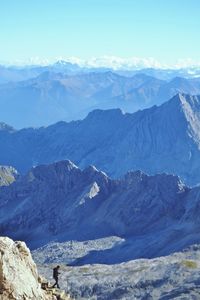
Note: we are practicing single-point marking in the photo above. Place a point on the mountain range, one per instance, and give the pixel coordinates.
(61, 202)
(52, 96)
(160, 139)
(11, 72)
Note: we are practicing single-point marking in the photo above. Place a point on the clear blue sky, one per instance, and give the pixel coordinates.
(164, 29)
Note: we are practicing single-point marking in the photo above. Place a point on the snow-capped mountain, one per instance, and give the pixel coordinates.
(61, 202)
(54, 96)
(73, 65)
(155, 140)
(12, 73)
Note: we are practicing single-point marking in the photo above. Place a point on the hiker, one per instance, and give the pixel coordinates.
(55, 276)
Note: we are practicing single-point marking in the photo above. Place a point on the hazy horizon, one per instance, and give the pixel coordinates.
(149, 34)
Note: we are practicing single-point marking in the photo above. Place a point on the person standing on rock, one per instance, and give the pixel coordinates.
(55, 276)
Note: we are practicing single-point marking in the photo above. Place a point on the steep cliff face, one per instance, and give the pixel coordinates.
(18, 273)
(155, 140)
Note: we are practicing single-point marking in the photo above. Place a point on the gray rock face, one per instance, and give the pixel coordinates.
(7, 175)
(18, 273)
(155, 140)
(59, 202)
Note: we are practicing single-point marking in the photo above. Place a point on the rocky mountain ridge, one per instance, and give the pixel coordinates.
(159, 139)
(12, 73)
(61, 202)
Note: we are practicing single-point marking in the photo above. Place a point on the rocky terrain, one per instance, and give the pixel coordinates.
(18, 273)
(60, 202)
(109, 235)
(71, 251)
(7, 175)
(19, 279)
(163, 278)
(116, 142)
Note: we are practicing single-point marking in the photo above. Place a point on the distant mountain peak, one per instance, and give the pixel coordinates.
(6, 127)
(93, 171)
(168, 184)
(63, 63)
(59, 167)
(67, 163)
(66, 65)
(110, 113)
(133, 176)
(170, 180)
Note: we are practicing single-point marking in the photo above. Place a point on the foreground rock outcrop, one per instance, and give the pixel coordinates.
(18, 272)
(19, 278)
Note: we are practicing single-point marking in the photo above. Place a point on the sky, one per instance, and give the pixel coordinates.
(152, 30)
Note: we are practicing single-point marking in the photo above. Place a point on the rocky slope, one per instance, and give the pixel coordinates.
(18, 273)
(59, 202)
(71, 251)
(163, 278)
(7, 175)
(155, 140)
